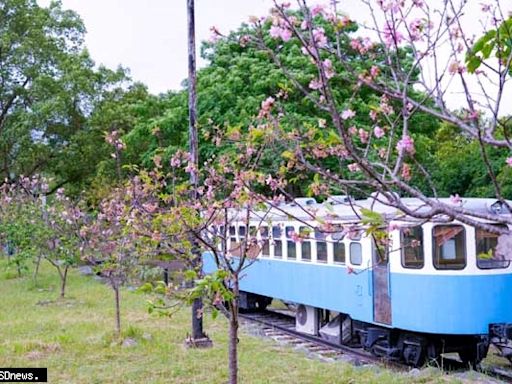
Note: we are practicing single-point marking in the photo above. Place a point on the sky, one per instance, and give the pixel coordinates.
(150, 37)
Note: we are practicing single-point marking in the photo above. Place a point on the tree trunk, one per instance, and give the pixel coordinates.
(63, 280)
(36, 270)
(233, 335)
(118, 309)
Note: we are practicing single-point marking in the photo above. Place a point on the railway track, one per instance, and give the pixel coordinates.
(280, 327)
(499, 373)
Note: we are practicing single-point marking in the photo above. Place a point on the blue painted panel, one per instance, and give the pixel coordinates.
(441, 304)
(322, 286)
(450, 304)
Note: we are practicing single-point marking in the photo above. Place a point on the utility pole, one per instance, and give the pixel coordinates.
(198, 337)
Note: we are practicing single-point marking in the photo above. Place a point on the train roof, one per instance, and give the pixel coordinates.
(346, 209)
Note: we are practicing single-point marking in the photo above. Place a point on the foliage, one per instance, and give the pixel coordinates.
(50, 88)
(31, 229)
(495, 41)
(21, 221)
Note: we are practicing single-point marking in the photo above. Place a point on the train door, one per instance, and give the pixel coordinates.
(380, 275)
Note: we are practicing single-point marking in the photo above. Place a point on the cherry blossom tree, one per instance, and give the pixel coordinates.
(111, 243)
(63, 243)
(177, 225)
(412, 57)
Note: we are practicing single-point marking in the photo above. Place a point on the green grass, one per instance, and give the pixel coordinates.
(73, 338)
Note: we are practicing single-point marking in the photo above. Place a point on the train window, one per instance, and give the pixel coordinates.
(306, 251)
(339, 252)
(265, 246)
(232, 234)
(290, 243)
(278, 244)
(412, 247)
(489, 247)
(305, 233)
(449, 247)
(321, 251)
(292, 249)
(356, 253)
(241, 231)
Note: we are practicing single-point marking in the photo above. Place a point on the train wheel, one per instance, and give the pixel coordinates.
(434, 357)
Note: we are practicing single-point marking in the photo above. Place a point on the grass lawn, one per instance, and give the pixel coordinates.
(73, 338)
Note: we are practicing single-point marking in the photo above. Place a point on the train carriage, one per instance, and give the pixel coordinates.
(435, 287)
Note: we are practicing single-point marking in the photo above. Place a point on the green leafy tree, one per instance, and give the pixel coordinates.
(49, 89)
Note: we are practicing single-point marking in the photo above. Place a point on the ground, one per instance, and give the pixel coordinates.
(73, 338)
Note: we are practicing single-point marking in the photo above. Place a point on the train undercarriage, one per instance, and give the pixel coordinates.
(411, 348)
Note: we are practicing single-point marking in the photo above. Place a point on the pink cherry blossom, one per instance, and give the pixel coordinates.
(361, 45)
(416, 27)
(277, 31)
(347, 114)
(215, 35)
(406, 144)
(406, 172)
(271, 182)
(363, 136)
(354, 167)
(393, 226)
(374, 71)
(319, 37)
(352, 130)
(455, 199)
(356, 44)
(392, 37)
(244, 40)
(373, 114)
(266, 106)
(286, 34)
(318, 9)
(509, 161)
(315, 84)
(378, 132)
(328, 69)
(385, 107)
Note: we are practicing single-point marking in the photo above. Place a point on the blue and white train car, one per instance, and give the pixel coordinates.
(438, 286)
